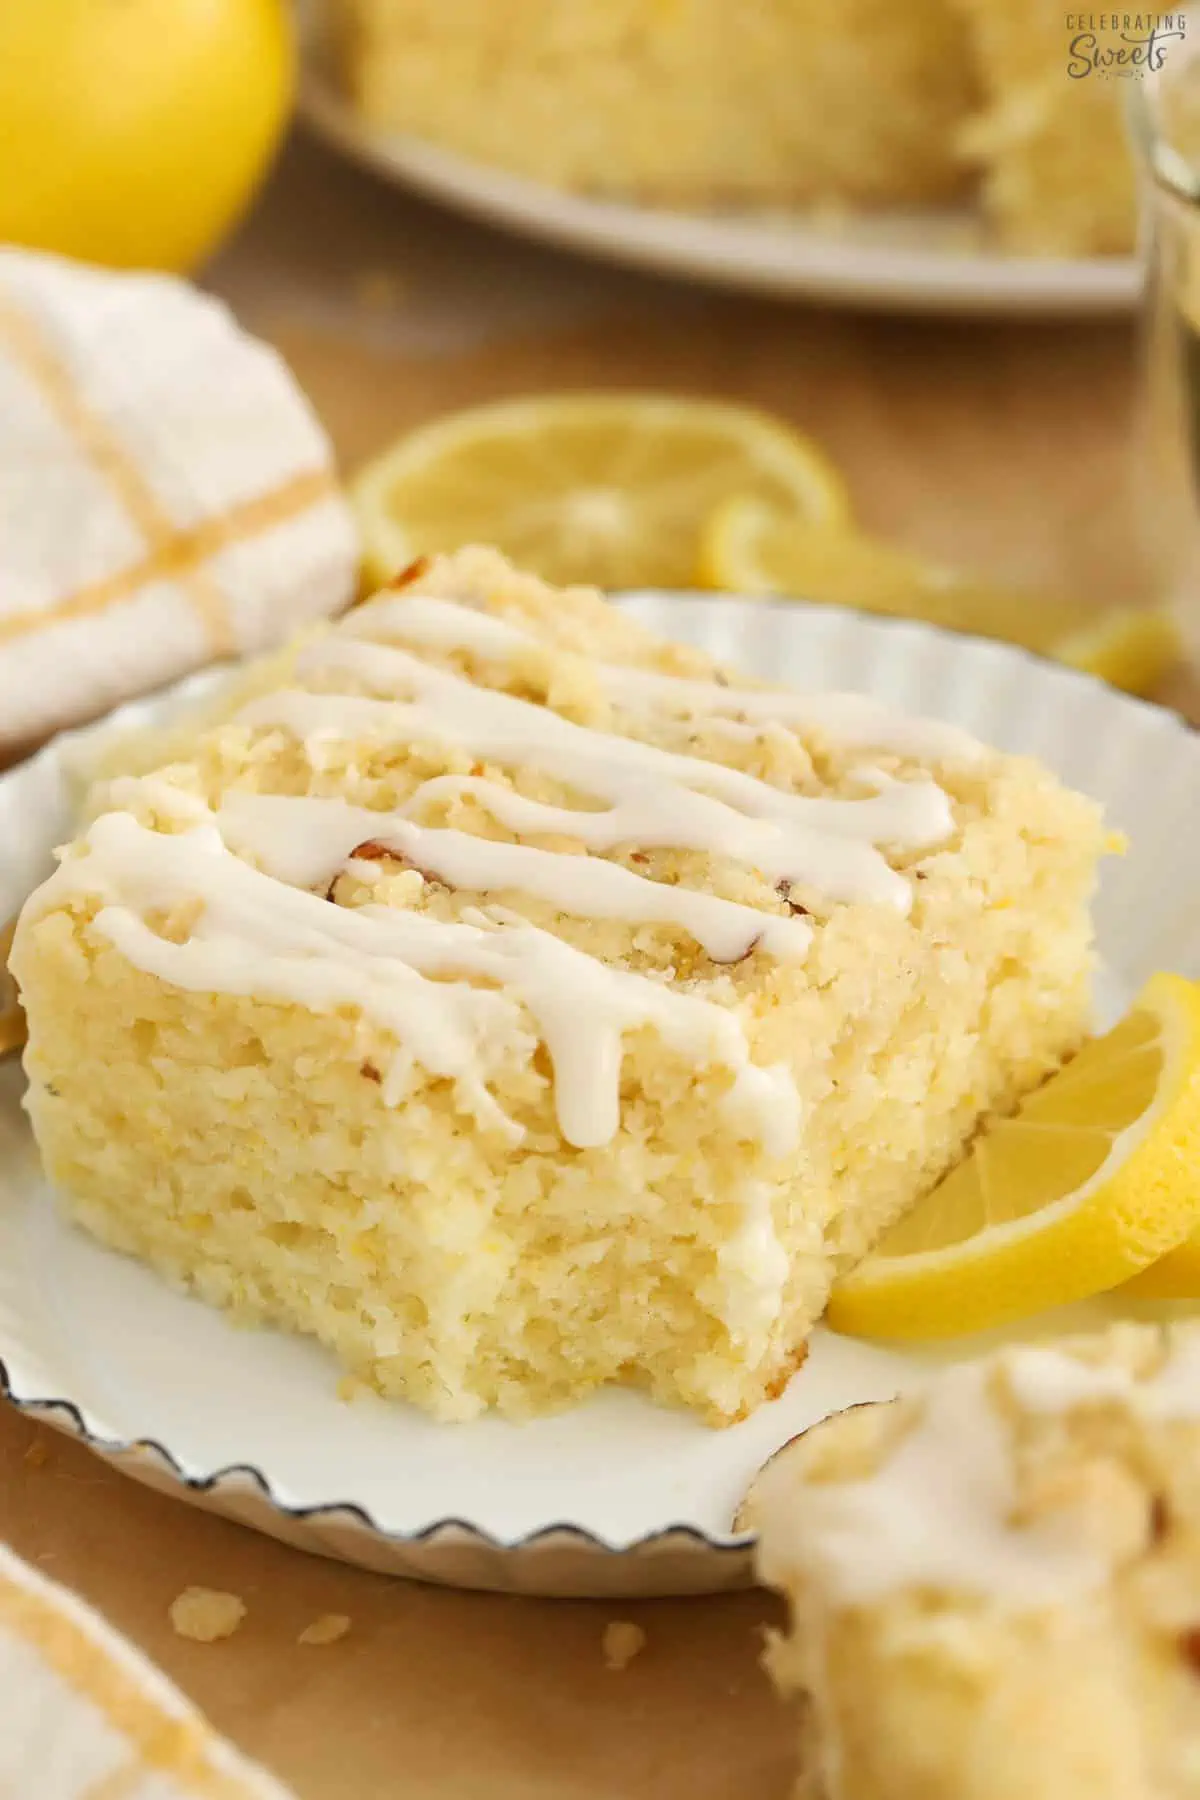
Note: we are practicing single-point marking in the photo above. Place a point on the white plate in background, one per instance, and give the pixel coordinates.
(618, 1496)
(933, 259)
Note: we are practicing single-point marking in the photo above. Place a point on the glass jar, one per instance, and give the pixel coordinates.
(1164, 116)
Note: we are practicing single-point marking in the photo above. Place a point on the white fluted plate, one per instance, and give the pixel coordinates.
(618, 1496)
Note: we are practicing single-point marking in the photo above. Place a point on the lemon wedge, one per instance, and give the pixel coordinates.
(606, 488)
(1175, 1276)
(1087, 1184)
(1130, 647)
(752, 547)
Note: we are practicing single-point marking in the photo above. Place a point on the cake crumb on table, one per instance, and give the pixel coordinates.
(205, 1614)
(325, 1630)
(622, 1641)
(37, 1451)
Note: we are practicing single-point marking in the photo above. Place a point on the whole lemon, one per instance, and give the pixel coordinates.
(133, 132)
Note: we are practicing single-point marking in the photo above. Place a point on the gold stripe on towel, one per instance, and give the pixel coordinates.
(187, 550)
(162, 1741)
(103, 449)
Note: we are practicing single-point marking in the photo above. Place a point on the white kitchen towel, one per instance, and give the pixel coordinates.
(167, 495)
(84, 1716)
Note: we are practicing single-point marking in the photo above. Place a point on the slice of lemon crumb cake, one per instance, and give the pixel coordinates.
(994, 1584)
(518, 1003)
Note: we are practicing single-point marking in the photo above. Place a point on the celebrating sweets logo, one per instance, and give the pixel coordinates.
(1121, 43)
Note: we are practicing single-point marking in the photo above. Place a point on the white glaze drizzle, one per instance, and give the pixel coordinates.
(1174, 1392)
(306, 841)
(258, 936)
(905, 815)
(1048, 1382)
(656, 819)
(934, 1516)
(433, 623)
(939, 1512)
(657, 797)
(754, 1267)
(854, 720)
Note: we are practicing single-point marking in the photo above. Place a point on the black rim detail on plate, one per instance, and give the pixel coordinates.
(112, 1448)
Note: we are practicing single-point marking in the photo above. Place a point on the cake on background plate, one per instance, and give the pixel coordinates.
(519, 1003)
(995, 1586)
(676, 100)
(775, 103)
(1057, 175)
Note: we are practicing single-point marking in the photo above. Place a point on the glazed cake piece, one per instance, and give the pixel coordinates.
(995, 1586)
(518, 1003)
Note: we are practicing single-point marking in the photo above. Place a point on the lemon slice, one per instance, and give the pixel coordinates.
(605, 488)
(1086, 1185)
(751, 547)
(1132, 647)
(1175, 1276)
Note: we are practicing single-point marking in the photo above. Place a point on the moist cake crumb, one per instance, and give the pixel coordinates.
(326, 1629)
(206, 1614)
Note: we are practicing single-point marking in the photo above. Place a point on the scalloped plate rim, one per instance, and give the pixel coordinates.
(69, 1416)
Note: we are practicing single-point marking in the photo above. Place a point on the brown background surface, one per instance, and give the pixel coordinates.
(1003, 445)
